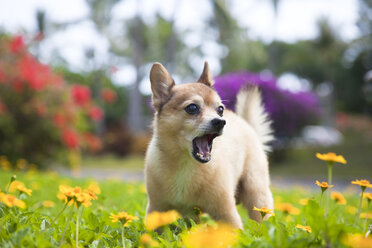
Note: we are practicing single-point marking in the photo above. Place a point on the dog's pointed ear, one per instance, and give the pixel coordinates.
(161, 85)
(206, 77)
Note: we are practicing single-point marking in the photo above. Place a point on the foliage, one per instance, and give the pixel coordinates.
(289, 111)
(299, 220)
(41, 117)
(112, 98)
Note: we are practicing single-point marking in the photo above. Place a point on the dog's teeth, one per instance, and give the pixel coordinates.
(204, 156)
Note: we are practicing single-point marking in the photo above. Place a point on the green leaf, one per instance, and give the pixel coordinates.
(44, 224)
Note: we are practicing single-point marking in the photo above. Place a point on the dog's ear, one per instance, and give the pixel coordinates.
(161, 85)
(206, 77)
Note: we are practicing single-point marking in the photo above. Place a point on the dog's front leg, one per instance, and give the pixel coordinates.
(225, 210)
(156, 206)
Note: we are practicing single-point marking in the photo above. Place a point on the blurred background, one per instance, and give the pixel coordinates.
(75, 93)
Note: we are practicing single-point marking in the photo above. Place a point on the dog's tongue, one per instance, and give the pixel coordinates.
(203, 144)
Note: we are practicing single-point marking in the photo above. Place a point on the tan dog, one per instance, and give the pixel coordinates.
(182, 170)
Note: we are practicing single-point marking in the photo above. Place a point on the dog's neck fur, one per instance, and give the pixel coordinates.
(173, 152)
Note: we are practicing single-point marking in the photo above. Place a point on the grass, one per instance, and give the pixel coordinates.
(111, 161)
(298, 163)
(301, 162)
(34, 226)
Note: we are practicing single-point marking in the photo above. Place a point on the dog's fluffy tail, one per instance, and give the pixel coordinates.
(249, 107)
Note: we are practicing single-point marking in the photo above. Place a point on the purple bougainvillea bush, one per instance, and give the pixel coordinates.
(289, 111)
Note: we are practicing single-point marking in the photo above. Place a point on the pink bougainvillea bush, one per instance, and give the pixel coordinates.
(42, 119)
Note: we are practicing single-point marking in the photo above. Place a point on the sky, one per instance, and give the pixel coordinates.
(296, 20)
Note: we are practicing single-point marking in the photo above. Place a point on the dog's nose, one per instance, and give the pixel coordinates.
(218, 123)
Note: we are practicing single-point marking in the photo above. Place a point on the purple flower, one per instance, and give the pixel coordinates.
(289, 111)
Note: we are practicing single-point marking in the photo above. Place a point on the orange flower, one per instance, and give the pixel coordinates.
(331, 157)
(158, 219)
(90, 194)
(264, 211)
(11, 200)
(94, 188)
(288, 208)
(324, 185)
(66, 190)
(362, 183)
(48, 204)
(123, 217)
(76, 195)
(17, 185)
(201, 236)
(83, 198)
(338, 197)
(358, 240)
(147, 241)
(305, 228)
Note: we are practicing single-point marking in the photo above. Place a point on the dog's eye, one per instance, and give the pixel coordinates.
(192, 109)
(220, 110)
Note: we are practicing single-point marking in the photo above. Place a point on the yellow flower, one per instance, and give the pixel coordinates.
(305, 228)
(351, 209)
(123, 217)
(197, 211)
(203, 236)
(143, 189)
(368, 196)
(93, 187)
(11, 200)
(21, 164)
(288, 208)
(158, 219)
(91, 194)
(76, 195)
(362, 183)
(5, 164)
(338, 198)
(264, 211)
(33, 167)
(66, 192)
(17, 185)
(147, 241)
(324, 185)
(366, 215)
(82, 198)
(76, 190)
(358, 241)
(331, 157)
(35, 185)
(304, 201)
(48, 204)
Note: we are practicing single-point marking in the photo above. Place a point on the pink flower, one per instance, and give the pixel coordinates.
(70, 139)
(96, 113)
(16, 44)
(2, 76)
(108, 95)
(80, 94)
(93, 142)
(113, 70)
(59, 120)
(33, 73)
(3, 108)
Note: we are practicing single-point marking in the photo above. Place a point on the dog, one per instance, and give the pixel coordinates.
(204, 155)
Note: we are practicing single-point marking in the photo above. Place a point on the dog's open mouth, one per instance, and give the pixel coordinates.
(202, 147)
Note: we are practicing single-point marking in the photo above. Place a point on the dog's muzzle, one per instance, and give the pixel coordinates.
(202, 145)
